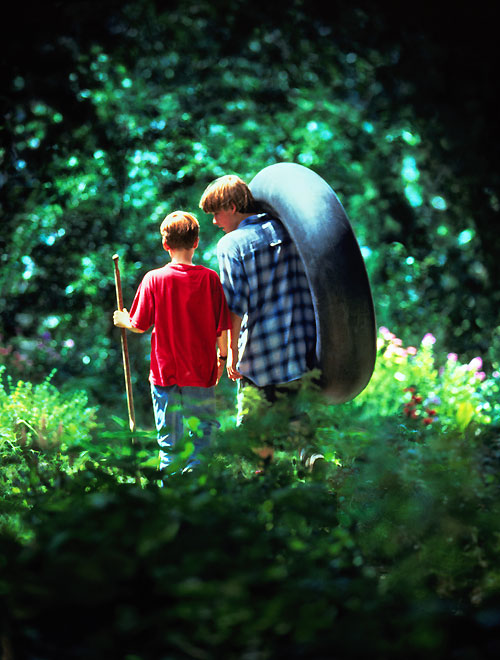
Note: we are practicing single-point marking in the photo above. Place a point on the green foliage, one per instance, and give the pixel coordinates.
(391, 551)
(275, 575)
(112, 119)
(433, 394)
(34, 414)
(418, 475)
(40, 434)
(119, 127)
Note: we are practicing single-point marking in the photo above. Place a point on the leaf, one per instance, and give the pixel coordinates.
(193, 424)
(465, 413)
(152, 463)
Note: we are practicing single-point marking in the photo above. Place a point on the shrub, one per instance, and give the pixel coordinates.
(447, 396)
(418, 482)
(205, 567)
(394, 553)
(40, 432)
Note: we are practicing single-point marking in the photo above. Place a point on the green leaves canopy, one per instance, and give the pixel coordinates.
(112, 121)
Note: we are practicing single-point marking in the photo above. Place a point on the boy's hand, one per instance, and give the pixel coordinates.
(232, 353)
(232, 360)
(121, 318)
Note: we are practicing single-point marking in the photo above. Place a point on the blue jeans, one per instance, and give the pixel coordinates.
(172, 405)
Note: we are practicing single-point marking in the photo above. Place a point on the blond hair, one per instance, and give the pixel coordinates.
(180, 230)
(226, 191)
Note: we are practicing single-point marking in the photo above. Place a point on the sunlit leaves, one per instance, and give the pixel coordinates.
(439, 203)
(143, 127)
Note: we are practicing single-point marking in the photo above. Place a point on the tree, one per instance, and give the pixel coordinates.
(114, 118)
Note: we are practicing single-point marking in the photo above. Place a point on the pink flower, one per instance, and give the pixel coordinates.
(428, 339)
(411, 350)
(394, 349)
(452, 357)
(475, 364)
(480, 375)
(386, 333)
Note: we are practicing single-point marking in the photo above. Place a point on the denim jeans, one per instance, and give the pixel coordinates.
(172, 405)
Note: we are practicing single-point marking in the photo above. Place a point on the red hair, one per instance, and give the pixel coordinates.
(180, 230)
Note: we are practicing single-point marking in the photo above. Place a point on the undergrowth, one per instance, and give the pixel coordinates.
(391, 550)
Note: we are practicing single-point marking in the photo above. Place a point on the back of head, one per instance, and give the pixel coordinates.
(226, 191)
(180, 230)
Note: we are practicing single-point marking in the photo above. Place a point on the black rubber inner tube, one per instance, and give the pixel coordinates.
(343, 304)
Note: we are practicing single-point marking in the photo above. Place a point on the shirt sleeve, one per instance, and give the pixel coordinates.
(142, 312)
(233, 278)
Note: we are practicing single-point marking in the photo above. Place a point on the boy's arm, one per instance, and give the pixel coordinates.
(232, 358)
(222, 351)
(121, 318)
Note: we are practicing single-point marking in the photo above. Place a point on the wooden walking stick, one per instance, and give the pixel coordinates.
(126, 363)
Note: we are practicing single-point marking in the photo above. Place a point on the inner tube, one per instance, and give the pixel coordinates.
(343, 305)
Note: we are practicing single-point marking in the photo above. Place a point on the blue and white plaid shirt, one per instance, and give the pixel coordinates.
(265, 284)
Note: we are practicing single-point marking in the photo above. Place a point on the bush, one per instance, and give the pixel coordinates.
(40, 433)
(393, 553)
(250, 568)
(432, 393)
(418, 479)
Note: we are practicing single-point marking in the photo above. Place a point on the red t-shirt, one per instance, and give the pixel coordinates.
(187, 306)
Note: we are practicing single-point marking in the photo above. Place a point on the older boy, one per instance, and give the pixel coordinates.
(265, 286)
(186, 305)
(273, 333)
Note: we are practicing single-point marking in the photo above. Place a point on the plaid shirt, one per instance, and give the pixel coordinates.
(265, 284)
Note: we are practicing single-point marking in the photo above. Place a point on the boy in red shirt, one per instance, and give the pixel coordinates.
(186, 305)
